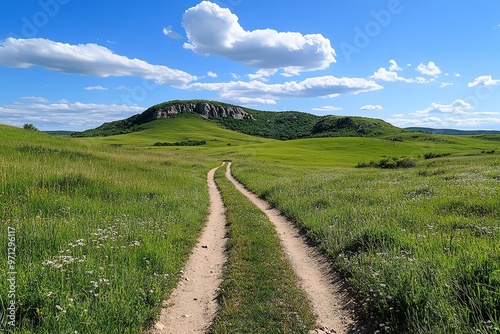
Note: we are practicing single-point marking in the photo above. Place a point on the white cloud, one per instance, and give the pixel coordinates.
(328, 108)
(95, 88)
(86, 59)
(213, 30)
(456, 107)
(394, 66)
(212, 74)
(170, 33)
(383, 74)
(391, 75)
(64, 115)
(445, 84)
(262, 74)
(35, 99)
(458, 75)
(430, 69)
(398, 115)
(372, 107)
(125, 88)
(239, 91)
(485, 80)
(250, 100)
(448, 122)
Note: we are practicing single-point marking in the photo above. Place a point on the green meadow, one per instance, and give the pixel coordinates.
(103, 225)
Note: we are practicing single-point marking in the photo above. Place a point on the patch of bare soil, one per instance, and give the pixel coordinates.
(193, 305)
(325, 289)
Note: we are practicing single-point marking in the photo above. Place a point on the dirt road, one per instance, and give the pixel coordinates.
(193, 305)
(322, 285)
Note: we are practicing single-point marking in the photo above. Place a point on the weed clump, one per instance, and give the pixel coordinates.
(389, 163)
(432, 155)
(182, 143)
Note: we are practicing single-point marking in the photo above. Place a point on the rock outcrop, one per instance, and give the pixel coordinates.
(204, 109)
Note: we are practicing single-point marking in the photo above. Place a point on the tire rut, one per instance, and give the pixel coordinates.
(192, 306)
(323, 286)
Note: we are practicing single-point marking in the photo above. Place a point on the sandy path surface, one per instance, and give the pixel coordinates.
(192, 306)
(322, 285)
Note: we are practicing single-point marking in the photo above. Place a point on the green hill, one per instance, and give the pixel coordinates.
(276, 125)
(186, 127)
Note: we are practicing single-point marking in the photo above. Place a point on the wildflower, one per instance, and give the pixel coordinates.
(60, 308)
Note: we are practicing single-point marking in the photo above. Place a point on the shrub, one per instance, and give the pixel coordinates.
(182, 143)
(29, 126)
(389, 163)
(432, 155)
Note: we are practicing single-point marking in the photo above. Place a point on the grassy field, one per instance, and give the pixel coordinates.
(102, 226)
(420, 246)
(100, 232)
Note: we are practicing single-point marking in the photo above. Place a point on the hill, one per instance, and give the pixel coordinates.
(181, 128)
(275, 125)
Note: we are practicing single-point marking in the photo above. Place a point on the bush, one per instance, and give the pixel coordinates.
(182, 143)
(29, 126)
(389, 163)
(432, 155)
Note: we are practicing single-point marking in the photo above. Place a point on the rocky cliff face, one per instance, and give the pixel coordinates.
(204, 109)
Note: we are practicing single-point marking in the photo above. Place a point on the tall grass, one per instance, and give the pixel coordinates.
(100, 232)
(420, 246)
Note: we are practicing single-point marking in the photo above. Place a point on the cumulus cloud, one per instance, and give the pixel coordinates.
(457, 107)
(262, 74)
(394, 66)
(257, 91)
(86, 59)
(430, 69)
(328, 108)
(95, 88)
(212, 74)
(392, 75)
(445, 84)
(446, 122)
(35, 99)
(64, 115)
(372, 107)
(213, 30)
(484, 80)
(170, 33)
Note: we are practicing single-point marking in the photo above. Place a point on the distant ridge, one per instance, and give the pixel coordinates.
(268, 124)
(454, 132)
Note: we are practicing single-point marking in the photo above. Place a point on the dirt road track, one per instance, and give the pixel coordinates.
(321, 284)
(193, 305)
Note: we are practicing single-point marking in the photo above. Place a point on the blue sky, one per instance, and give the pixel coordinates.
(74, 64)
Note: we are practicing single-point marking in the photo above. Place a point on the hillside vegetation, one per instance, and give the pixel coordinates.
(275, 125)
